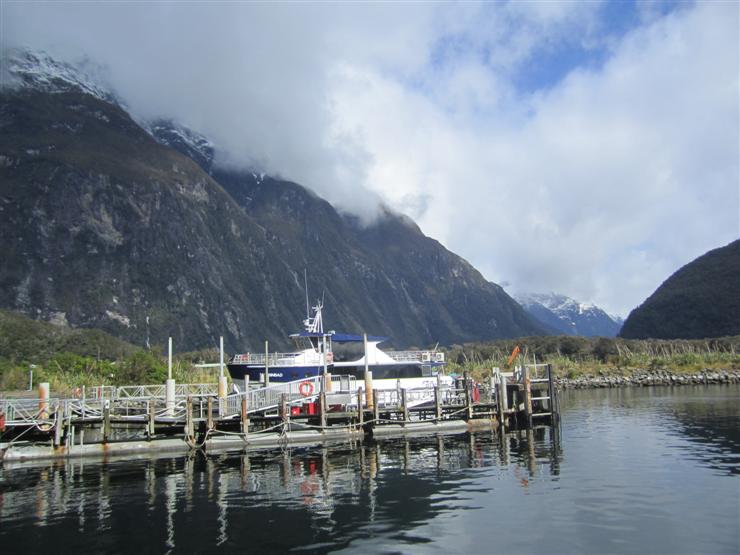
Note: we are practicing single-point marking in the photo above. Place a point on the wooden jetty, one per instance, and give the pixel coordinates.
(179, 418)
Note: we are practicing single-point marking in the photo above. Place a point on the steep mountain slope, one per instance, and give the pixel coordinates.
(385, 277)
(104, 227)
(702, 299)
(569, 316)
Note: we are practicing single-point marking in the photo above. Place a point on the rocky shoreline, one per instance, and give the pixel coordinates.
(641, 378)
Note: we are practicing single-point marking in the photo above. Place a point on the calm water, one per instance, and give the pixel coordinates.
(631, 471)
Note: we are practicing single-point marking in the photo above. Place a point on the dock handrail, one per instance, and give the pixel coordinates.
(297, 391)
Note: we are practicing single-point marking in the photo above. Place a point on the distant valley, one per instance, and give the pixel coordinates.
(568, 316)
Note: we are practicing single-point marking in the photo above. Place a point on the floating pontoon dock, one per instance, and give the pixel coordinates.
(145, 419)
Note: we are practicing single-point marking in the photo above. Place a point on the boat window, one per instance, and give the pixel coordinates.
(303, 343)
(348, 351)
(426, 371)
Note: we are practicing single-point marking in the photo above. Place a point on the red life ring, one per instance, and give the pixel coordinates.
(306, 388)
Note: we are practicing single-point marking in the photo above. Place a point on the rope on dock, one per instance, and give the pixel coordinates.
(34, 425)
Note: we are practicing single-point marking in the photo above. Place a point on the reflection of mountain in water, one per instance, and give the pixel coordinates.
(713, 422)
(321, 498)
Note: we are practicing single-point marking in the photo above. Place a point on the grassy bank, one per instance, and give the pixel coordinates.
(575, 357)
(69, 358)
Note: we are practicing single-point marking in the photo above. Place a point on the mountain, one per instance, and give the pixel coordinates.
(702, 299)
(568, 316)
(114, 224)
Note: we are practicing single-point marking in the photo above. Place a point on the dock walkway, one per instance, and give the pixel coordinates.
(136, 419)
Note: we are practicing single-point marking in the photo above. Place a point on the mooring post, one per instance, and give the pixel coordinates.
(43, 400)
(244, 416)
(222, 384)
(360, 407)
(468, 402)
(189, 430)
(151, 410)
(284, 409)
(501, 402)
(376, 410)
(327, 374)
(437, 403)
(209, 416)
(106, 421)
(322, 408)
(58, 421)
(170, 383)
(527, 396)
(404, 406)
(550, 393)
(368, 375)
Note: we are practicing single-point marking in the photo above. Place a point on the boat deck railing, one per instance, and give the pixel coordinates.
(283, 359)
(416, 356)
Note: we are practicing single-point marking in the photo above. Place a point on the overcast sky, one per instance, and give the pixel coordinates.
(585, 148)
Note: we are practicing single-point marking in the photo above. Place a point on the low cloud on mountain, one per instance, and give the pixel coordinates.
(581, 147)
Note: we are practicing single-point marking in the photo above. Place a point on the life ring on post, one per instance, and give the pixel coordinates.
(305, 388)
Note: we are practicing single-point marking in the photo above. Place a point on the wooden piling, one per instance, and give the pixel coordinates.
(322, 408)
(501, 403)
(437, 403)
(58, 426)
(527, 396)
(550, 393)
(43, 400)
(106, 421)
(244, 416)
(284, 409)
(468, 401)
(151, 413)
(209, 416)
(376, 410)
(368, 375)
(360, 408)
(189, 429)
(404, 406)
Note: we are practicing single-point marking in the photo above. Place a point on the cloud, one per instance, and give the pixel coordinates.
(598, 187)
(585, 148)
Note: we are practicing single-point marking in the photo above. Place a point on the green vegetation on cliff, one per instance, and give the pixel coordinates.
(702, 299)
(68, 358)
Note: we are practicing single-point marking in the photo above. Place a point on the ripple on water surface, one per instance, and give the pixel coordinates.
(630, 471)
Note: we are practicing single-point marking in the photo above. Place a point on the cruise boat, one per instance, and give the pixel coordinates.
(319, 352)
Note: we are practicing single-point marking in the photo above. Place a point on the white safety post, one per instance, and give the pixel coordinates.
(170, 384)
(368, 377)
(327, 376)
(267, 365)
(221, 379)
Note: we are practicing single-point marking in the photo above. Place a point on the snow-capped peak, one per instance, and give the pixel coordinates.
(39, 71)
(568, 315)
(182, 139)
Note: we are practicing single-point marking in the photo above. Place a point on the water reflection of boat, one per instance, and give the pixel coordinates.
(319, 352)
